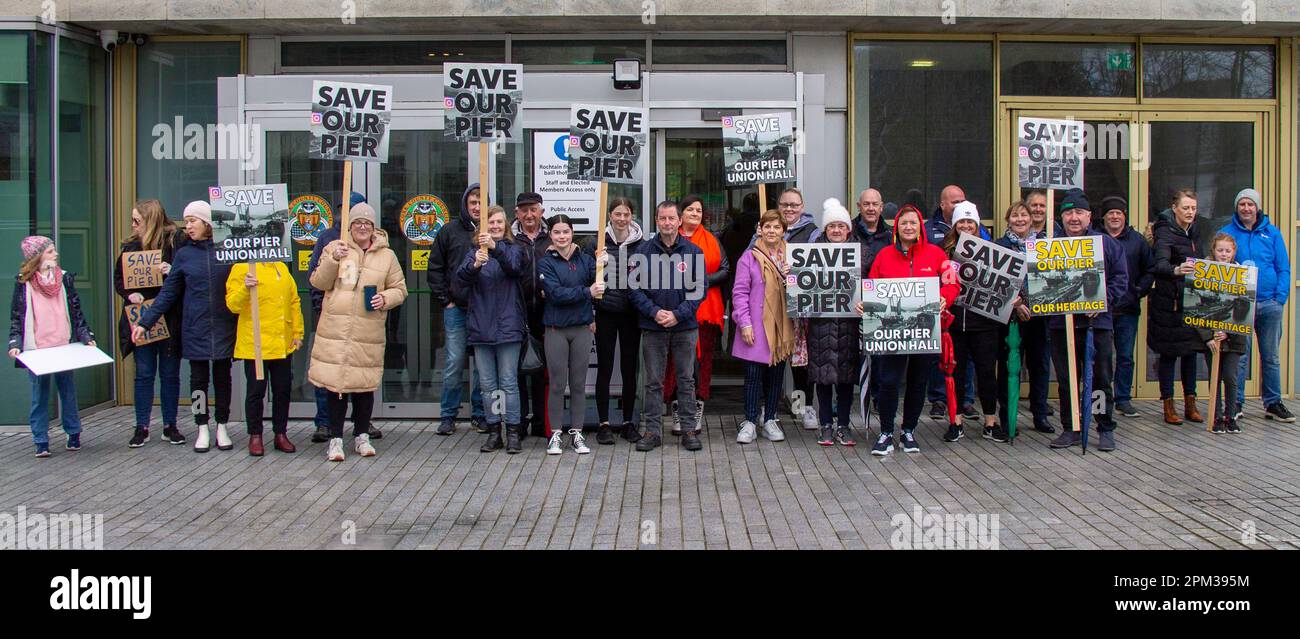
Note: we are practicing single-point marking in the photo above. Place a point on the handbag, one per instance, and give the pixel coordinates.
(532, 353)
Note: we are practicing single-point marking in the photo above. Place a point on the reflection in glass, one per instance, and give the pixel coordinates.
(1073, 69)
(1207, 71)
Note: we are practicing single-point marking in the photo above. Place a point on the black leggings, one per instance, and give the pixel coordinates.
(620, 328)
(279, 374)
(894, 373)
(218, 370)
(984, 348)
(843, 403)
(803, 384)
(363, 406)
(1165, 372)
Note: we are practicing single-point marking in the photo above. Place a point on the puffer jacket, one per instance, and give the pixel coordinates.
(347, 354)
(456, 238)
(279, 310)
(172, 345)
(18, 315)
(198, 284)
(1166, 333)
(835, 344)
(496, 302)
(923, 259)
(566, 284)
(615, 299)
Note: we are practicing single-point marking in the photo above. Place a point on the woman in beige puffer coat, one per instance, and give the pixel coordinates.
(347, 357)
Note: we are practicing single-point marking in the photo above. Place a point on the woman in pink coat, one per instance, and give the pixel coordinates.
(765, 334)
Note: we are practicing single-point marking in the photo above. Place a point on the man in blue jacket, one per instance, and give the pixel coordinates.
(1260, 244)
(667, 281)
(1140, 262)
(1076, 220)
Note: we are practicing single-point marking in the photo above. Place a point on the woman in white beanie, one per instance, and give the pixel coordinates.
(197, 282)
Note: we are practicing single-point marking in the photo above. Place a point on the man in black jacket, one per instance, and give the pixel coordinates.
(1141, 273)
(870, 230)
(529, 229)
(456, 239)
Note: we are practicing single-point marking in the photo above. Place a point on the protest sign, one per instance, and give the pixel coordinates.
(991, 276)
(578, 199)
(1067, 276)
(56, 359)
(757, 149)
(250, 223)
(824, 279)
(481, 102)
(159, 331)
(1050, 153)
(901, 316)
(140, 269)
(350, 121)
(1220, 297)
(607, 144)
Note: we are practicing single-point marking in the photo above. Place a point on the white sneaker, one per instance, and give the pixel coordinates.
(810, 418)
(747, 433)
(579, 442)
(553, 446)
(772, 431)
(699, 415)
(361, 444)
(223, 438)
(677, 419)
(335, 453)
(201, 443)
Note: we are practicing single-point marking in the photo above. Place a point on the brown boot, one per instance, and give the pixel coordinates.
(1171, 413)
(283, 444)
(1189, 410)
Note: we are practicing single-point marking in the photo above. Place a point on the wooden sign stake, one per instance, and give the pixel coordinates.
(257, 325)
(602, 219)
(1214, 388)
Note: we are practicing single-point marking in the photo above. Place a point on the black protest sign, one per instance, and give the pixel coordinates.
(607, 144)
(1220, 297)
(1066, 276)
(1051, 153)
(350, 121)
(757, 149)
(481, 102)
(250, 223)
(824, 279)
(990, 275)
(901, 316)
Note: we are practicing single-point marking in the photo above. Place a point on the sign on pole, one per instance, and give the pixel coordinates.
(824, 280)
(141, 269)
(901, 316)
(481, 102)
(758, 149)
(991, 276)
(1050, 154)
(250, 223)
(607, 145)
(350, 121)
(578, 199)
(1220, 297)
(1067, 276)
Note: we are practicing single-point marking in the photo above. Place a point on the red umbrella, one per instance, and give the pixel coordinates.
(947, 364)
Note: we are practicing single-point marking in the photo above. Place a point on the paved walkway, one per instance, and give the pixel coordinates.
(1166, 487)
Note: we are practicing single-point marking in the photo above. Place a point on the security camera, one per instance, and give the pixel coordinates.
(108, 39)
(138, 39)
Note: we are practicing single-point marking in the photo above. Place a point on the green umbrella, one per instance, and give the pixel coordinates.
(1013, 379)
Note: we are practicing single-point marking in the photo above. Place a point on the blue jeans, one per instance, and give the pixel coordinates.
(40, 415)
(151, 360)
(1126, 330)
(322, 419)
(1268, 327)
(498, 370)
(453, 322)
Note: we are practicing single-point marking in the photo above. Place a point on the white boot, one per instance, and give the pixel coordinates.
(201, 442)
(223, 439)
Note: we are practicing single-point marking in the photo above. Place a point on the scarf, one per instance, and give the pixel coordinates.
(711, 309)
(777, 326)
(48, 281)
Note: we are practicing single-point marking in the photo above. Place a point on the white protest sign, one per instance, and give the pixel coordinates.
(824, 279)
(1050, 153)
(607, 144)
(350, 121)
(758, 149)
(901, 316)
(481, 102)
(250, 223)
(56, 359)
(578, 199)
(991, 276)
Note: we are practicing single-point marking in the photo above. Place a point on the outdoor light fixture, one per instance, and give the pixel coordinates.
(921, 64)
(627, 74)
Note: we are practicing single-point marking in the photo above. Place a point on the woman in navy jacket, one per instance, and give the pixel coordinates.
(568, 279)
(207, 329)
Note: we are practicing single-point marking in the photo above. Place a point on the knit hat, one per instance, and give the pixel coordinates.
(833, 211)
(965, 210)
(362, 211)
(1114, 202)
(1075, 199)
(199, 209)
(1247, 193)
(35, 245)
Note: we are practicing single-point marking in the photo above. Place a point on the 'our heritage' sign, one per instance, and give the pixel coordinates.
(1220, 297)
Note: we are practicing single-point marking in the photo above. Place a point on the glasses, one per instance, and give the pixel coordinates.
(790, 205)
(364, 223)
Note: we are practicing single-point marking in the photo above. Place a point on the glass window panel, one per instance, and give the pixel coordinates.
(715, 52)
(386, 53)
(1068, 69)
(923, 119)
(575, 52)
(1207, 71)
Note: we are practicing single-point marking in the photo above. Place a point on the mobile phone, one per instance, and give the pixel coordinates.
(369, 292)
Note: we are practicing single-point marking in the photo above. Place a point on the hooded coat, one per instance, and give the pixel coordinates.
(449, 248)
(197, 285)
(279, 310)
(347, 354)
(1166, 332)
(1263, 247)
(923, 259)
(615, 299)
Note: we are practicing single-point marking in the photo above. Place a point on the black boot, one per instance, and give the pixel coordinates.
(493, 439)
(513, 435)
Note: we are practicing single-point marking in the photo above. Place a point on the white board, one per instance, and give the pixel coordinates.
(56, 359)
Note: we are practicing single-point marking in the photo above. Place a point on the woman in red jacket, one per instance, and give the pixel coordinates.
(909, 256)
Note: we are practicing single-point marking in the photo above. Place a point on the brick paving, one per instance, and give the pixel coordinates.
(1166, 487)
